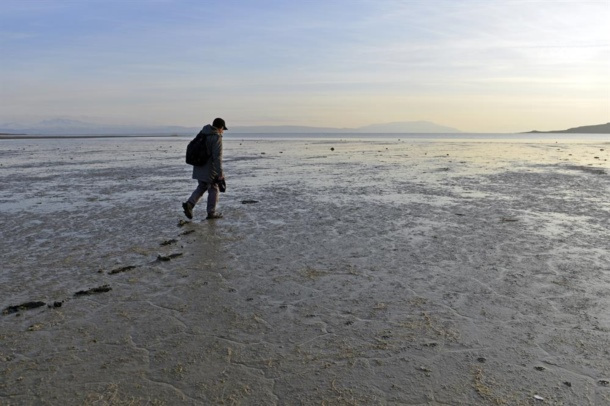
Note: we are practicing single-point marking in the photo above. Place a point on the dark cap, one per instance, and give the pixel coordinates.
(219, 123)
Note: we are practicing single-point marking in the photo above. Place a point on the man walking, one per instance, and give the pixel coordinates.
(209, 175)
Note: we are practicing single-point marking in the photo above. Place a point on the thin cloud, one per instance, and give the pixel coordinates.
(281, 53)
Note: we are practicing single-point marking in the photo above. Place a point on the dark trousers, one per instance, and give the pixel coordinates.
(202, 187)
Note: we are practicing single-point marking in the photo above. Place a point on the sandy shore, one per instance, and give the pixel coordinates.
(345, 272)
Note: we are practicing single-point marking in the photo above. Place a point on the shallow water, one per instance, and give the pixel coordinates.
(367, 268)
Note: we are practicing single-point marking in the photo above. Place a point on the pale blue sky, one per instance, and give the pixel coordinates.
(477, 65)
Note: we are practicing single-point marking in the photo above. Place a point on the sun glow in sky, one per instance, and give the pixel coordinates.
(476, 65)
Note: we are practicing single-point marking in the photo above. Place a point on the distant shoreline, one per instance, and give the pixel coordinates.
(51, 136)
(588, 129)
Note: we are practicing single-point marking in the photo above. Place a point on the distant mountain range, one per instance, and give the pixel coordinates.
(385, 128)
(587, 129)
(75, 127)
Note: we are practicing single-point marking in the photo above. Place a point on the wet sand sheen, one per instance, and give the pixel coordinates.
(381, 273)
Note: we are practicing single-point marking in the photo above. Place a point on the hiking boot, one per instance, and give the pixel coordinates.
(214, 215)
(188, 210)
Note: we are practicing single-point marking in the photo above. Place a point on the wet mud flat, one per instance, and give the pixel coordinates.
(345, 272)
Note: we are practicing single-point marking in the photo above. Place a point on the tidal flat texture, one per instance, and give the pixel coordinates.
(344, 272)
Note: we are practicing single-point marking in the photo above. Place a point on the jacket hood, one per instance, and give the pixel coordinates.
(209, 130)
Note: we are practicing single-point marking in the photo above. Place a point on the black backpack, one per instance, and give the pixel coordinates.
(197, 152)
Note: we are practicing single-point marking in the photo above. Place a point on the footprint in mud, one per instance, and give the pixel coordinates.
(92, 291)
(168, 257)
(123, 269)
(508, 220)
(23, 306)
(540, 368)
(30, 306)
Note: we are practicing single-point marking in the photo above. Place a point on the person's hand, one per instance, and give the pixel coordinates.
(222, 185)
